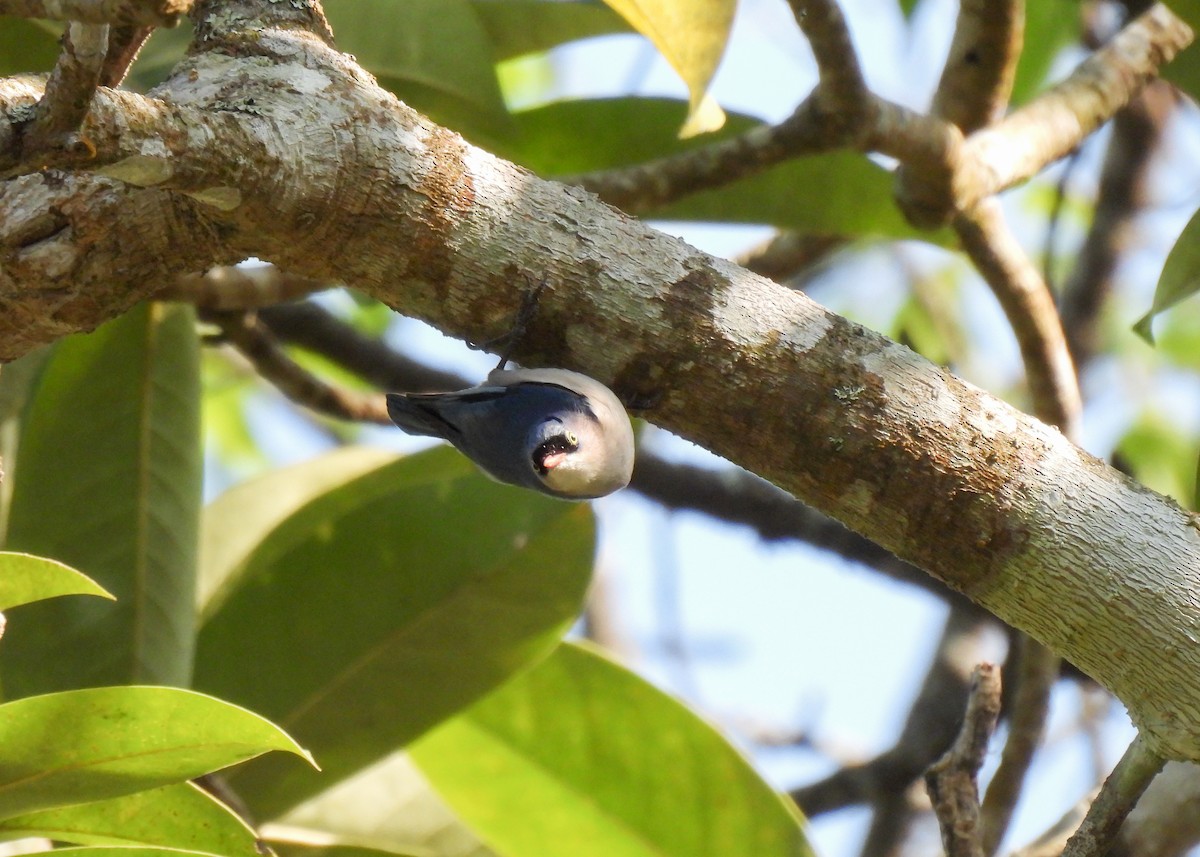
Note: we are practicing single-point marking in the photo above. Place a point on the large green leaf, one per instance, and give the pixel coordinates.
(295, 849)
(176, 816)
(691, 35)
(236, 522)
(104, 742)
(384, 605)
(517, 27)
(108, 481)
(389, 806)
(27, 46)
(834, 193)
(434, 54)
(25, 579)
(1180, 278)
(580, 757)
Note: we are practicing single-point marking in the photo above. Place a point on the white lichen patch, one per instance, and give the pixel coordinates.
(140, 170)
(909, 378)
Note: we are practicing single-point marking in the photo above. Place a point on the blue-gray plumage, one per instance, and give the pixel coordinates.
(551, 430)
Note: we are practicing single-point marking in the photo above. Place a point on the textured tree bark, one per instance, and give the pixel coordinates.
(279, 147)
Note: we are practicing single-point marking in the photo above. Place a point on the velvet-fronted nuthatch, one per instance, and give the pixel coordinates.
(551, 430)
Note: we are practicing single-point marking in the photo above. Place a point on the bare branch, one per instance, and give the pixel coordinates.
(787, 254)
(1050, 126)
(842, 90)
(254, 341)
(1030, 310)
(952, 784)
(229, 287)
(978, 76)
(58, 118)
(156, 13)
(1116, 799)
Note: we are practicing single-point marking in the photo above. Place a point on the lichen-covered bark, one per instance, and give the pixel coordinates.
(281, 148)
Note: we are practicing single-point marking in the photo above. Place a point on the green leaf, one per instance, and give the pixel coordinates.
(390, 806)
(176, 816)
(27, 46)
(580, 757)
(108, 481)
(130, 851)
(833, 193)
(1184, 70)
(238, 521)
(691, 35)
(295, 849)
(434, 54)
(1160, 456)
(86, 745)
(518, 27)
(1180, 277)
(25, 578)
(1050, 25)
(384, 605)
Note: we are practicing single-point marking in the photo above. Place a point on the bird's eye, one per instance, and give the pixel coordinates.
(570, 437)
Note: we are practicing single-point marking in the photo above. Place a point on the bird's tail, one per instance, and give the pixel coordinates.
(419, 415)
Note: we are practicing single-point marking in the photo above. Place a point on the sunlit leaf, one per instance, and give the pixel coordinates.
(85, 745)
(1157, 453)
(691, 35)
(237, 522)
(176, 816)
(108, 481)
(579, 757)
(384, 605)
(1180, 277)
(295, 849)
(389, 805)
(25, 579)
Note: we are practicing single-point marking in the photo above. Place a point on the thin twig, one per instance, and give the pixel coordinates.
(229, 287)
(1037, 669)
(252, 339)
(1116, 799)
(1054, 123)
(842, 90)
(978, 76)
(1030, 310)
(788, 254)
(64, 104)
(951, 781)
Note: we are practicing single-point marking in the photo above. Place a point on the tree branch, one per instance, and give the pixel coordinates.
(1116, 799)
(951, 781)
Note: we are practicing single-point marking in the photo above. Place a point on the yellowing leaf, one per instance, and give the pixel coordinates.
(691, 36)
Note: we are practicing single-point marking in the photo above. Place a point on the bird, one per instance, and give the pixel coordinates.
(552, 430)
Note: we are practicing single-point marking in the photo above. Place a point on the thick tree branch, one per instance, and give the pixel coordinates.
(978, 76)
(288, 152)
